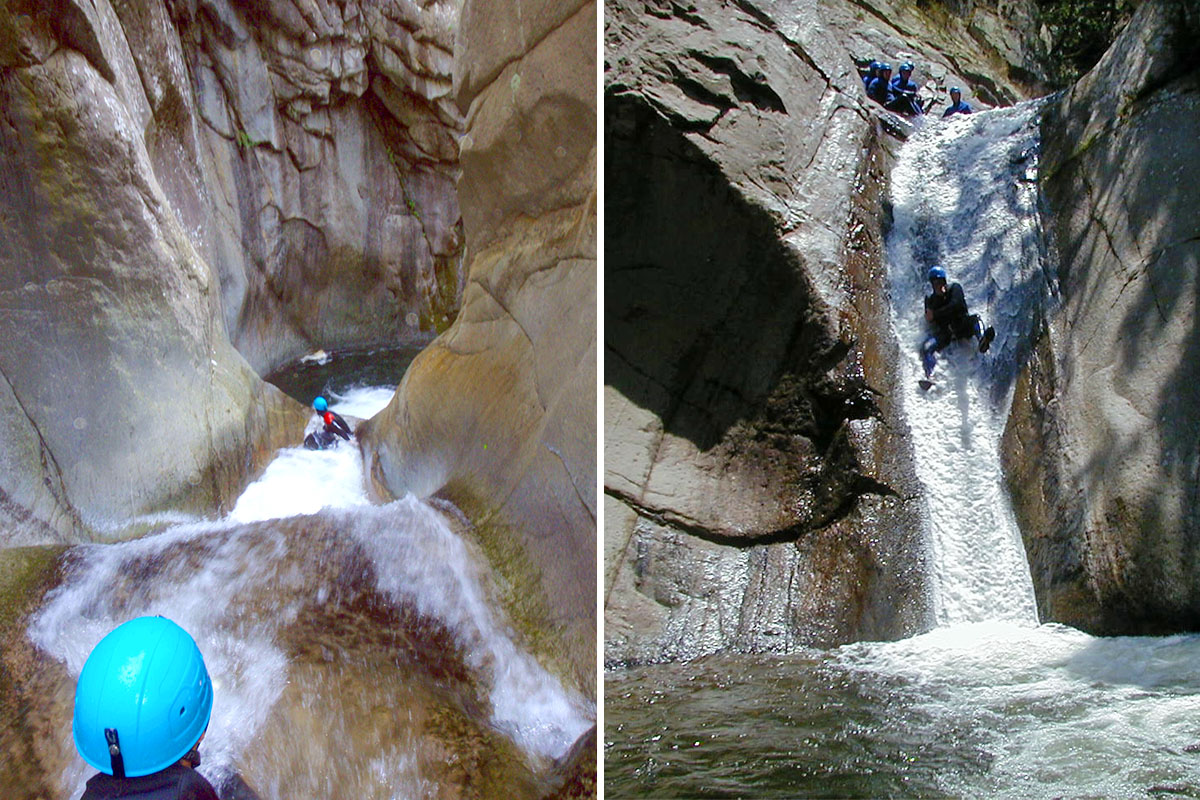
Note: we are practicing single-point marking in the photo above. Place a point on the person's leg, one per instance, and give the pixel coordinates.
(984, 335)
(933, 343)
(928, 359)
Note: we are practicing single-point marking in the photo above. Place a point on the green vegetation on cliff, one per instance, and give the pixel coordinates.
(1080, 31)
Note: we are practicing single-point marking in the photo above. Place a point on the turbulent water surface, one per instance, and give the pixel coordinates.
(355, 649)
(971, 711)
(990, 703)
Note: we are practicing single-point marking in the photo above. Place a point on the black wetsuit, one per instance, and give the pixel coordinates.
(950, 321)
(950, 317)
(335, 426)
(958, 108)
(176, 782)
(905, 94)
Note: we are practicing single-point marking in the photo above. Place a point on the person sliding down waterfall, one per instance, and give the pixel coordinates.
(335, 426)
(946, 310)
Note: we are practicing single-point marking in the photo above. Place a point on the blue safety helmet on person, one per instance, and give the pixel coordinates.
(143, 699)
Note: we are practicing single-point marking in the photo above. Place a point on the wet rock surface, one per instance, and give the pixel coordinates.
(498, 414)
(1104, 441)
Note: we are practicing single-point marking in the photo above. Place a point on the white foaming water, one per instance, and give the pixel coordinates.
(363, 402)
(236, 587)
(434, 572)
(964, 196)
(301, 481)
(1057, 712)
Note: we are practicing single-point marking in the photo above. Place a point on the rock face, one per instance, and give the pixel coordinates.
(498, 414)
(194, 192)
(758, 477)
(1103, 443)
(323, 140)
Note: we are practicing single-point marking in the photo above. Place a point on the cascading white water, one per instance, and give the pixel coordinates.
(964, 196)
(236, 586)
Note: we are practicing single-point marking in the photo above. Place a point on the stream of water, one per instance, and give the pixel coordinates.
(355, 649)
(990, 703)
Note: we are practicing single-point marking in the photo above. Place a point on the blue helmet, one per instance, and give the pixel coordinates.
(874, 65)
(143, 699)
(907, 66)
(937, 273)
(320, 405)
(954, 89)
(885, 67)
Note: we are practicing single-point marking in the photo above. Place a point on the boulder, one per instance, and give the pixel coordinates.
(498, 414)
(1103, 441)
(123, 394)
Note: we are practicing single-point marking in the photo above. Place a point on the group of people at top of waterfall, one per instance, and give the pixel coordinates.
(899, 93)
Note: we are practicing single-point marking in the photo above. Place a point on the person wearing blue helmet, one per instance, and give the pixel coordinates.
(904, 91)
(946, 312)
(880, 89)
(957, 106)
(871, 74)
(142, 706)
(335, 427)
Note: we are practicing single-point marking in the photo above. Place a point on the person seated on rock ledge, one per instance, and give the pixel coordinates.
(957, 106)
(904, 90)
(871, 74)
(946, 310)
(335, 426)
(880, 87)
(142, 706)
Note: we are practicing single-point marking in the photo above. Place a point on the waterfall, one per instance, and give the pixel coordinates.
(288, 571)
(964, 196)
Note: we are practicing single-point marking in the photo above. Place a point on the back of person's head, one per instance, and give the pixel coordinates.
(143, 700)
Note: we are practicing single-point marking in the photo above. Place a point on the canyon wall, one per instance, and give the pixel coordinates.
(194, 193)
(498, 414)
(1103, 442)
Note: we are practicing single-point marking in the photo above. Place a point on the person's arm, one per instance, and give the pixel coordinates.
(339, 426)
(956, 305)
(193, 786)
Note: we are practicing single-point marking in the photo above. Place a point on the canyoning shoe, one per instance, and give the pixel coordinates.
(986, 341)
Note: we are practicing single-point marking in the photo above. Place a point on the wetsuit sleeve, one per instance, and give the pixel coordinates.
(339, 426)
(954, 307)
(193, 786)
